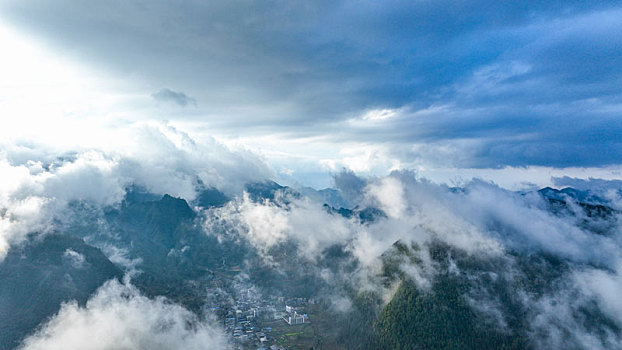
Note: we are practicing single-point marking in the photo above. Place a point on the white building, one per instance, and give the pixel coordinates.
(296, 318)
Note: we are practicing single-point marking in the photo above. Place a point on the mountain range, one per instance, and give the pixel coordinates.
(162, 244)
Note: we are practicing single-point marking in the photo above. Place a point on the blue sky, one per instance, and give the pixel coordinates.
(436, 86)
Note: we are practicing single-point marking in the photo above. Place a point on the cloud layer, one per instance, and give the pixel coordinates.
(435, 83)
(39, 181)
(119, 317)
(498, 237)
(479, 220)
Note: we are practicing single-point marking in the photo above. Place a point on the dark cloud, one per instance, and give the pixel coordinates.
(179, 98)
(529, 83)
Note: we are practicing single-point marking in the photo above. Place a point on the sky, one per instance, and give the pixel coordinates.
(514, 92)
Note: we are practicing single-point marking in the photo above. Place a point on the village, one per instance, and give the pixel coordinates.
(253, 322)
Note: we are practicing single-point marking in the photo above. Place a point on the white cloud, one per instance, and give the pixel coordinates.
(119, 317)
(379, 114)
(416, 212)
(522, 222)
(605, 286)
(75, 259)
(39, 181)
(389, 194)
(481, 219)
(554, 323)
(266, 224)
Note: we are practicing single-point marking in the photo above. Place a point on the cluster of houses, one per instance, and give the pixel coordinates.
(245, 316)
(243, 321)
